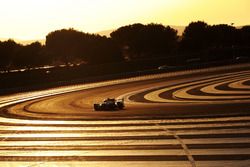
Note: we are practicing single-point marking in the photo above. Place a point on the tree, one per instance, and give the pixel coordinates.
(64, 44)
(30, 56)
(8, 49)
(223, 35)
(69, 45)
(195, 37)
(143, 41)
(103, 50)
(159, 39)
(245, 35)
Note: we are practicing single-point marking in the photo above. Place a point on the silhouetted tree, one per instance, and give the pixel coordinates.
(8, 50)
(146, 40)
(70, 44)
(223, 35)
(103, 50)
(30, 56)
(245, 36)
(159, 39)
(64, 44)
(195, 37)
(135, 41)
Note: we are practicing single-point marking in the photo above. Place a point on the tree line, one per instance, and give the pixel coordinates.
(128, 43)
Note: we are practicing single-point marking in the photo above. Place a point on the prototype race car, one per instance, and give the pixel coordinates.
(110, 105)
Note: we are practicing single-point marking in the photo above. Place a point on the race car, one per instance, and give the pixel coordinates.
(110, 104)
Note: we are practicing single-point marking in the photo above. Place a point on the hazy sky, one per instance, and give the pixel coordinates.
(34, 19)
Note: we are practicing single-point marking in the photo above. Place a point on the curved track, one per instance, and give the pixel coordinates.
(196, 119)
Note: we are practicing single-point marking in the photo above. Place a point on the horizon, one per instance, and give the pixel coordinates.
(106, 33)
(180, 29)
(29, 20)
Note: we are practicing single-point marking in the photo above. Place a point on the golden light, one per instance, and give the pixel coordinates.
(29, 19)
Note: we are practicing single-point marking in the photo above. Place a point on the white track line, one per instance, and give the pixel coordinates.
(240, 84)
(182, 93)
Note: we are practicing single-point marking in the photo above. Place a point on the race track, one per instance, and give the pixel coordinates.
(192, 118)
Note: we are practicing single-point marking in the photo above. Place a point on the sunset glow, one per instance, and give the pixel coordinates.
(34, 19)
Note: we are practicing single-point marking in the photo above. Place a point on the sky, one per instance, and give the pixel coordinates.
(34, 19)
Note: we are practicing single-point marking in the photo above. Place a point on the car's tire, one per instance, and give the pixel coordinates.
(97, 107)
(120, 105)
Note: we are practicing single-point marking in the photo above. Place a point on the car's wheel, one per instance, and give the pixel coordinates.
(120, 105)
(97, 107)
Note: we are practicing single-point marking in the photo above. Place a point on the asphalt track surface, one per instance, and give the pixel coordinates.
(191, 118)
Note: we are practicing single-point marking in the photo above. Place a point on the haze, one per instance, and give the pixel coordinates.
(34, 19)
